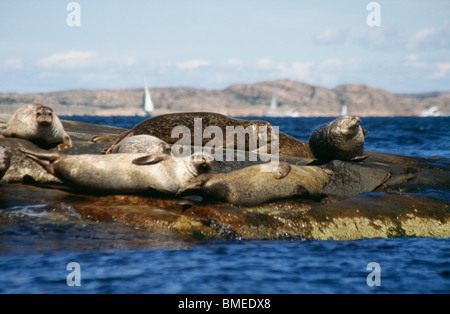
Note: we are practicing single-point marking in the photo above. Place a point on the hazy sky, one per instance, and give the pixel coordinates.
(216, 43)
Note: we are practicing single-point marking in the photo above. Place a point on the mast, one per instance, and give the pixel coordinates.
(274, 104)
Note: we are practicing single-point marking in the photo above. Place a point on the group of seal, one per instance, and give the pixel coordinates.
(38, 124)
(141, 158)
(341, 139)
(162, 126)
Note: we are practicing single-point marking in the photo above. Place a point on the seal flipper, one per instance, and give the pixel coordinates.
(359, 158)
(101, 139)
(45, 159)
(149, 160)
(365, 132)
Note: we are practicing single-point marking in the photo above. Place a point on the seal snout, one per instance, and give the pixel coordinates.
(44, 116)
(201, 163)
(352, 122)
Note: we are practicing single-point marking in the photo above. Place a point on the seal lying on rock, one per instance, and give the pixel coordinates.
(141, 144)
(163, 125)
(341, 139)
(263, 183)
(5, 158)
(38, 124)
(123, 173)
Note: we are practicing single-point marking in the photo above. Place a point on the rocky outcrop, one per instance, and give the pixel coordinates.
(236, 100)
(382, 196)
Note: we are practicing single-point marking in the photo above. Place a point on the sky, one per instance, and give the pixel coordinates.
(216, 43)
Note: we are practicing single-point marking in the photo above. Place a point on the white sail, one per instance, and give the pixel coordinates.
(273, 104)
(344, 110)
(274, 111)
(148, 103)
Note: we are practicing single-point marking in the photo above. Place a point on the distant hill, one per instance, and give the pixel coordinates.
(236, 100)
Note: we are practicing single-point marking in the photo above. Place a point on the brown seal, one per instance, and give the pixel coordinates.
(341, 139)
(123, 173)
(162, 127)
(38, 124)
(263, 183)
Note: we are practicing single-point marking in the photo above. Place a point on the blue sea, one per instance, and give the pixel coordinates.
(37, 245)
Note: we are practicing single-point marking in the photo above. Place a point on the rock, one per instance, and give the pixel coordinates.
(382, 196)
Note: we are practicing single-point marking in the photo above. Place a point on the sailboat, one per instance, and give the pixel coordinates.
(430, 112)
(344, 109)
(148, 103)
(273, 103)
(275, 112)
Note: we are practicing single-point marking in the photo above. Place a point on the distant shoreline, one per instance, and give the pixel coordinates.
(242, 100)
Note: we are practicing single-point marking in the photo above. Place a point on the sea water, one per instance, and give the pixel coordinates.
(36, 247)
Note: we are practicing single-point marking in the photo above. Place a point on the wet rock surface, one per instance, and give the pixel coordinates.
(382, 196)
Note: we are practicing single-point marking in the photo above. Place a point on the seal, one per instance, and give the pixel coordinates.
(141, 144)
(38, 124)
(341, 139)
(123, 173)
(163, 125)
(263, 183)
(5, 159)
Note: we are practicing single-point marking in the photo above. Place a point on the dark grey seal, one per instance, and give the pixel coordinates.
(341, 139)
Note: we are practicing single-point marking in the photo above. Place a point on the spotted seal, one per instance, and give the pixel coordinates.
(341, 139)
(38, 124)
(123, 173)
(5, 158)
(163, 125)
(263, 183)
